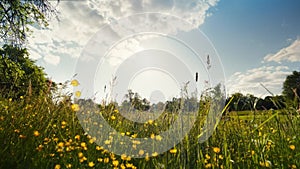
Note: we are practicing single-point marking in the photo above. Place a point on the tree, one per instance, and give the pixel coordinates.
(17, 15)
(237, 102)
(173, 106)
(291, 86)
(18, 74)
(136, 101)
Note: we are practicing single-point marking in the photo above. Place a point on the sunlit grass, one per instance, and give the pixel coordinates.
(37, 133)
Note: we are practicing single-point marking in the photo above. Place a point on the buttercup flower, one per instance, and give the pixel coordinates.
(292, 147)
(57, 166)
(36, 133)
(173, 151)
(77, 93)
(216, 149)
(91, 164)
(75, 107)
(74, 83)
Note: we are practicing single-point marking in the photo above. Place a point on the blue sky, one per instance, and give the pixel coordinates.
(245, 31)
(258, 41)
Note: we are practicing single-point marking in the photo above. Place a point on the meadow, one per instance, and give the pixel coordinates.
(36, 132)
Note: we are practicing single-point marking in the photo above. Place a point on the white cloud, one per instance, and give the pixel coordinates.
(52, 59)
(272, 77)
(290, 53)
(254, 80)
(80, 20)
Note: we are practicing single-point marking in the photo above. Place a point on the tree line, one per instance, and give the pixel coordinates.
(288, 98)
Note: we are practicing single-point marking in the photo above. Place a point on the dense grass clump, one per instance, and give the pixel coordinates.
(37, 132)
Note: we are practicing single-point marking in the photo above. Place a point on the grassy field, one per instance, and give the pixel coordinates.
(37, 133)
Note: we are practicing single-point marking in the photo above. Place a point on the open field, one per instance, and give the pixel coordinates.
(35, 133)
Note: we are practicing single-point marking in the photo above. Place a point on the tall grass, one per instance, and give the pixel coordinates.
(36, 132)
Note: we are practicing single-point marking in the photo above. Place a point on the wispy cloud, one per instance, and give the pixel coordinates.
(290, 53)
(272, 77)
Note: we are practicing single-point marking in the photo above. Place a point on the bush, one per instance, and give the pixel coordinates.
(19, 75)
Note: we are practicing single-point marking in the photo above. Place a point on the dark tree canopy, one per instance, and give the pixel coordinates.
(17, 15)
(19, 76)
(291, 85)
(247, 102)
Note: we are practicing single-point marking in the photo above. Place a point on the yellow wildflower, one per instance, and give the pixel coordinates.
(63, 123)
(91, 164)
(57, 166)
(173, 151)
(221, 157)
(122, 166)
(123, 156)
(77, 93)
(74, 82)
(106, 160)
(36, 133)
(80, 154)
(150, 121)
(136, 142)
(115, 163)
(75, 107)
(152, 136)
(92, 140)
(158, 138)
(77, 137)
(208, 165)
(129, 165)
(292, 147)
(99, 148)
(216, 149)
(67, 144)
(112, 156)
(141, 152)
(154, 154)
(268, 164)
(60, 144)
(147, 157)
(22, 136)
(83, 144)
(39, 148)
(107, 142)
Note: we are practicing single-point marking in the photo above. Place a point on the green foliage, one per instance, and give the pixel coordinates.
(291, 86)
(135, 101)
(19, 75)
(42, 134)
(242, 102)
(16, 17)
